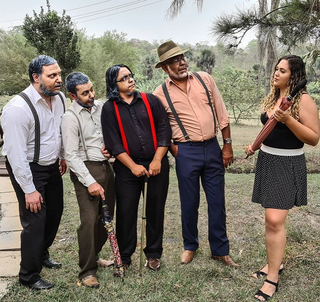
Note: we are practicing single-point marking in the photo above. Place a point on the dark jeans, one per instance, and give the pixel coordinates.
(91, 233)
(128, 191)
(203, 161)
(39, 229)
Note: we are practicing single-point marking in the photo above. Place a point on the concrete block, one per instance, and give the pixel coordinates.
(10, 209)
(5, 185)
(10, 263)
(8, 197)
(9, 224)
(10, 241)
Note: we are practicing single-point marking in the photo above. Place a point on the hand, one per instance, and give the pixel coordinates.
(34, 201)
(248, 150)
(139, 170)
(105, 152)
(174, 150)
(96, 190)
(155, 167)
(281, 116)
(63, 166)
(227, 155)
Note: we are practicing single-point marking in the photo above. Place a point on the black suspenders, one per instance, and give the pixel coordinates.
(174, 112)
(37, 124)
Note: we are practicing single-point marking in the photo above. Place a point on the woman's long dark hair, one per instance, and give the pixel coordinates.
(298, 72)
(111, 81)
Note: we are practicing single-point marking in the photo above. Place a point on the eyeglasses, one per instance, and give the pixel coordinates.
(177, 60)
(126, 78)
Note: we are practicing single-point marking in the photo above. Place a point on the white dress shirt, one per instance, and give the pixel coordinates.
(91, 128)
(19, 134)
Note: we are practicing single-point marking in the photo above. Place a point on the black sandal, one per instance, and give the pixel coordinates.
(266, 297)
(263, 274)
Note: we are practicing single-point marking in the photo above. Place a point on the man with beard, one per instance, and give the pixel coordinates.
(91, 173)
(34, 159)
(137, 132)
(193, 104)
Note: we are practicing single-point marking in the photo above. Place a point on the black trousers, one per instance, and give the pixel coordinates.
(128, 191)
(91, 233)
(39, 229)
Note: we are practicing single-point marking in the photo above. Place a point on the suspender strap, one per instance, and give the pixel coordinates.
(123, 135)
(174, 112)
(37, 124)
(37, 127)
(153, 129)
(209, 99)
(62, 100)
(81, 134)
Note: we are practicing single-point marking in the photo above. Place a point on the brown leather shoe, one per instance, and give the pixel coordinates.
(153, 263)
(121, 273)
(90, 281)
(226, 260)
(187, 256)
(105, 263)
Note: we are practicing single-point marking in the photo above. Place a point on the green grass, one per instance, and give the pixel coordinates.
(203, 279)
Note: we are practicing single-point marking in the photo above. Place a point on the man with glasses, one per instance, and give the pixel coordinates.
(195, 108)
(91, 173)
(137, 133)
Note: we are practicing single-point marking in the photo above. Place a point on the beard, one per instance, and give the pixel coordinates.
(45, 91)
(177, 76)
(89, 104)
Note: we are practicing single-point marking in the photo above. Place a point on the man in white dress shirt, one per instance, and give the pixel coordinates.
(35, 164)
(91, 173)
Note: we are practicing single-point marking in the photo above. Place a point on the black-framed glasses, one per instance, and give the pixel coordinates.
(177, 60)
(126, 78)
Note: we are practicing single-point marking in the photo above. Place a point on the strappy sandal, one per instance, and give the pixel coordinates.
(263, 274)
(266, 297)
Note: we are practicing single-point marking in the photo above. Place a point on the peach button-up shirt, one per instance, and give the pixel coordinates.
(193, 108)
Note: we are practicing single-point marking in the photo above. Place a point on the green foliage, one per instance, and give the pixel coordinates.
(299, 22)
(240, 91)
(15, 56)
(206, 60)
(98, 54)
(55, 36)
(314, 91)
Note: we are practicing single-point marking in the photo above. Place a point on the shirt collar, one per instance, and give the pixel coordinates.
(34, 94)
(135, 97)
(78, 108)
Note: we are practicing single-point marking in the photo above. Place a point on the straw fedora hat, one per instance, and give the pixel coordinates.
(168, 50)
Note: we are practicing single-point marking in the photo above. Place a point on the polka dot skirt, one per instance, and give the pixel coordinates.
(280, 181)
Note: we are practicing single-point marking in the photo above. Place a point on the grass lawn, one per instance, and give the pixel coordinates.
(203, 279)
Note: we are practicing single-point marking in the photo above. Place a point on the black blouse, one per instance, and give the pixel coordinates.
(281, 136)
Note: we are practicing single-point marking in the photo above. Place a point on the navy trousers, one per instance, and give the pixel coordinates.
(195, 161)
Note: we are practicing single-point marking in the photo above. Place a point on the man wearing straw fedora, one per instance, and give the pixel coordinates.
(195, 109)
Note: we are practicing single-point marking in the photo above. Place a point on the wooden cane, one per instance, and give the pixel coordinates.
(143, 222)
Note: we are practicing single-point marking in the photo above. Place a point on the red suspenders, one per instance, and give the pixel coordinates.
(153, 129)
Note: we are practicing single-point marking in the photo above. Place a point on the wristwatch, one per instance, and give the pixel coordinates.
(227, 141)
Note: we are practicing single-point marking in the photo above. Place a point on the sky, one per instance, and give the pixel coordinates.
(139, 19)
